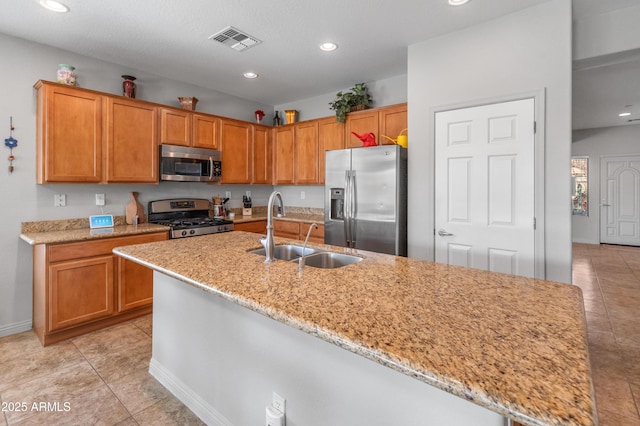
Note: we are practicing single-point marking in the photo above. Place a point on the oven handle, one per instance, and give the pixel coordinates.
(210, 168)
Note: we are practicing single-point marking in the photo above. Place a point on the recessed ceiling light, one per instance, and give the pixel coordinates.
(457, 2)
(54, 6)
(624, 114)
(250, 74)
(328, 47)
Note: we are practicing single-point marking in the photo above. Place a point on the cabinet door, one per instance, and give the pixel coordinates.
(283, 155)
(305, 152)
(205, 131)
(135, 285)
(286, 229)
(393, 120)
(80, 291)
(235, 143)
(69, 135)
(262, 155)
(361, 122)
(131, 141)
(330, 137)
(175, 126)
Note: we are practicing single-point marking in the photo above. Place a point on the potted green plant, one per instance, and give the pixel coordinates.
(352, 100)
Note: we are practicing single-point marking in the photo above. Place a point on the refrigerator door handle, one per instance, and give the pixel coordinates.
(346, 221)
(353, 209)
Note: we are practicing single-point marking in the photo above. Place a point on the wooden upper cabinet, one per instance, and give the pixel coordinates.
(283, 138)
(236, 139)
(131, 138)
(330, 136)
(175, 126)
(305, 152)
(392, 121)
(262, 154)
(68, 134)
(205, 131)
(361, 122)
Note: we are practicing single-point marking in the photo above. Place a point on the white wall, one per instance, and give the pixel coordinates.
(384, 92)
(23, 200)
(527, 51)
(596, 143)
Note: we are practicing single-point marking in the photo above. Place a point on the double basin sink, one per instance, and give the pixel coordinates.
(312, 257)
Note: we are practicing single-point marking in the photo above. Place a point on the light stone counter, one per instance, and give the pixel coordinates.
(83, 234)
(513, 345)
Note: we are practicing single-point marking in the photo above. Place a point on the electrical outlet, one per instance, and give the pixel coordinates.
(59, 200)
(100, 200)
(303, 195)
(227, 194)
(279, 403)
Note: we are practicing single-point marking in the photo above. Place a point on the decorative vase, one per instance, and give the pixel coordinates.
(291, 115)
(66, 74)
(129, 86)
(134, 209)
(188, 102)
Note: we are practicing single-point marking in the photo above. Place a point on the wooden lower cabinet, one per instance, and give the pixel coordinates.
(82, 286)
(298, 231)
(259, 227)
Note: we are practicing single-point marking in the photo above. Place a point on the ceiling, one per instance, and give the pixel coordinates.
(170, 38)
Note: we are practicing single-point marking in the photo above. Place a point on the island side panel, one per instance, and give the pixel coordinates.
(224, 361)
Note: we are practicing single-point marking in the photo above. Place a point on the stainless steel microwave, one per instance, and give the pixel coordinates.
(188, 164)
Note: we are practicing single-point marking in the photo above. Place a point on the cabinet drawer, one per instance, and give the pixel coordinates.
(82, 249)
(285, 227)
(259, 227)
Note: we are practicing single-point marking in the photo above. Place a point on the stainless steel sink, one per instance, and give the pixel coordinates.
(330, 260)
(286, 252)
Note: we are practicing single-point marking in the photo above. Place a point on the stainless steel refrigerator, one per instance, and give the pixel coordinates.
(365, 202)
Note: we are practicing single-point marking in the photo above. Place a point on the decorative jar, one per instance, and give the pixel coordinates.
(66, 74)
(129, 86)
(188, 102)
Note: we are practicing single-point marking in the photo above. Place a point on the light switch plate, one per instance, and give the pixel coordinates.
(101, 221)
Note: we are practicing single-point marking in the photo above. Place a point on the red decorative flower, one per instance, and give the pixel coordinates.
(259, 114)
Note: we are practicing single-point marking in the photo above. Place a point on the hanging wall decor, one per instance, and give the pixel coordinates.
(11, 143)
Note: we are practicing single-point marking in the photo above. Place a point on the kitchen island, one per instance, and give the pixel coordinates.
(229, 330)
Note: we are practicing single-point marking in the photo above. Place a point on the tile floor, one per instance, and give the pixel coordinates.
(103, 376)
(610, 280)
(97, 379)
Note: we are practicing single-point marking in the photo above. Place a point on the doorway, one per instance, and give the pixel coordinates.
(620, 195)
(485, 187)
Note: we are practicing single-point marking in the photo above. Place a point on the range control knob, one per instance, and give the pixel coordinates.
(193, 231)
(184, 233)
(226, 227)
(220, 228)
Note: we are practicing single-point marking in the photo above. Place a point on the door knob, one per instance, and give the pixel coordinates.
(444, 233)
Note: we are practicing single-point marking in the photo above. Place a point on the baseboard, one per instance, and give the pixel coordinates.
(188, 397)
(581, 241)
(15, 328)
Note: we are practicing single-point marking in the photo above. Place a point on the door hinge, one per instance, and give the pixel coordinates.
(534, 223)
(535, 127)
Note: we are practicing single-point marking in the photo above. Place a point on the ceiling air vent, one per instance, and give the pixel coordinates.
(235, 39)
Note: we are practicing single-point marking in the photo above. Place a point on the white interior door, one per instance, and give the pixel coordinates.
(484, 187)
(620, 206)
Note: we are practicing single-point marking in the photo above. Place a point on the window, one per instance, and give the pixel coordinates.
(580, 186)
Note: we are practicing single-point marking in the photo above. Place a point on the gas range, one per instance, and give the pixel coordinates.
(187, 217)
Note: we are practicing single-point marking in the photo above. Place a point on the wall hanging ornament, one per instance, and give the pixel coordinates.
(11, 143)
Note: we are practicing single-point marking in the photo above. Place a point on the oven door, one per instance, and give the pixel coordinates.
(187, 164)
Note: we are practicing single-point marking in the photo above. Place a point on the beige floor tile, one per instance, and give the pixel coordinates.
(38, 362)
(169, 411)
(614, 281)
(107, 339)
(138, 391)
(601, 339)
(127, 422)
(607, 361)
(3, 420)
(16, 345)
(144, 323)
(635, 390)
(631, 360)
(595, 306)
(121, 361)
(607, 418)
(598, 322)
(96, 407)
(614, 396)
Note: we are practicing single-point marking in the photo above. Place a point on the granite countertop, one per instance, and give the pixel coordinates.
(514, 345)
(290, 217)
(82, 234)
